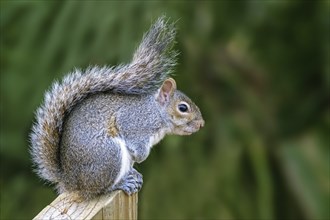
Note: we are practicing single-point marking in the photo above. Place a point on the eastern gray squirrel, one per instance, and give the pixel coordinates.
(94, 125)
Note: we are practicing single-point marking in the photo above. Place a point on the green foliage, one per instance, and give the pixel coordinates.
(259, 70)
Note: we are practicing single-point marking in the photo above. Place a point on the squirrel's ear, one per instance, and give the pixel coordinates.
(166, 90)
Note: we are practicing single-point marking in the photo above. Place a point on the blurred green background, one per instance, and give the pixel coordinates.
(259, 70)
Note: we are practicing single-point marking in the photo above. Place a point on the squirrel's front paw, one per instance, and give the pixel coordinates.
(138, 152)
(131, 183)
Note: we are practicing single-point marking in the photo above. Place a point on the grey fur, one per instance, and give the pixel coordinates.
(90, 158)
(93, 126)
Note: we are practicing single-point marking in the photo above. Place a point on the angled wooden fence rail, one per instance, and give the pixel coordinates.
(116, 205)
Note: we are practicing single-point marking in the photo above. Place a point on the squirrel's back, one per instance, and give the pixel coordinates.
(151, 64)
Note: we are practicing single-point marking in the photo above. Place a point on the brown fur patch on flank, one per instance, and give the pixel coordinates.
(112, 127)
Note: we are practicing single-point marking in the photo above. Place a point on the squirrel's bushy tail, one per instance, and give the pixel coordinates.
(152, 62)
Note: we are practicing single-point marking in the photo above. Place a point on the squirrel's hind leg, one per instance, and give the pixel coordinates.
(130, 183)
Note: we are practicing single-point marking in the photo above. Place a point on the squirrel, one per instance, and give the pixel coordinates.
(95, 124)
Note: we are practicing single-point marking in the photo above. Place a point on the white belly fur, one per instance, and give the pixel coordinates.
(125, 159)
(154, 139)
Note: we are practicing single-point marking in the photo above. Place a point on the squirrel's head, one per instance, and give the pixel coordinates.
(184, 116)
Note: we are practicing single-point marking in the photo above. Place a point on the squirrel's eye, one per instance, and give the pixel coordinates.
(183, 107)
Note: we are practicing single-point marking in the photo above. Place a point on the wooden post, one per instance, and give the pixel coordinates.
(116, 205)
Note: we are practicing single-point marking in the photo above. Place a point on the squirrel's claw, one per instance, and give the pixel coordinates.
(131, 183)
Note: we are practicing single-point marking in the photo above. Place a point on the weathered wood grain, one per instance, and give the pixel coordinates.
(116, 205)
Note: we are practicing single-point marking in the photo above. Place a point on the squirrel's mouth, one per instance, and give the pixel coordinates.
(186, 132)
(190, 128)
